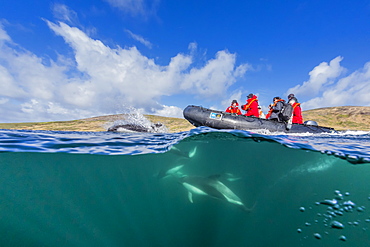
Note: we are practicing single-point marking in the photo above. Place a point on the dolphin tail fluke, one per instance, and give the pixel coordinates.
(193, 152)
(248, 210)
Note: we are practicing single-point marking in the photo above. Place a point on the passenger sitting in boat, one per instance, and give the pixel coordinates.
(297, 112)
(275, 109)
(234, 109)
(260, 112)
(251, 107)
(290, 96)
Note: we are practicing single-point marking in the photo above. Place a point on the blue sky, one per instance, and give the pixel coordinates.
(63, 60)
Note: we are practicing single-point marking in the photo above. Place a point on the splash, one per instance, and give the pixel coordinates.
(135, 121)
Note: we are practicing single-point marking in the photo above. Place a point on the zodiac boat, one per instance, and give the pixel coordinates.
(200, 116)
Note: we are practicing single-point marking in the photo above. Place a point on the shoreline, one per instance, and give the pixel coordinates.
(340, 118)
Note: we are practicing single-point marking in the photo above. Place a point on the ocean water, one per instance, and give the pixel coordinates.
(121, 189)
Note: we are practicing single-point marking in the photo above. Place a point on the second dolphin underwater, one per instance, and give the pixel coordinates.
(207, 186)
(179, 152)
(212, 187)
(172, 170)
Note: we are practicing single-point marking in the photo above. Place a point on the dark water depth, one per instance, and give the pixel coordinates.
(66, 189)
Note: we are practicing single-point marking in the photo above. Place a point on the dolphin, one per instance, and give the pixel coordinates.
(131, 127)
(212, 187)
(189, 154)
(173, 171)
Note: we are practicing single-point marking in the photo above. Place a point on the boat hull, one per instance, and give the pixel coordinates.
(199, 116)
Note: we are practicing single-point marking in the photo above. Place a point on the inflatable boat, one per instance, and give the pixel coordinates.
(199, 116)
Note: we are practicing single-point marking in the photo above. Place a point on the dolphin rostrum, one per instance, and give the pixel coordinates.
(212, 187)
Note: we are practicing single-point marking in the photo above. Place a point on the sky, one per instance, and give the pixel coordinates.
(66, 60)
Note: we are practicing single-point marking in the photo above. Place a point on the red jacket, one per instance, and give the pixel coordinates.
(251, 107)
(234, 110)
(297, 114)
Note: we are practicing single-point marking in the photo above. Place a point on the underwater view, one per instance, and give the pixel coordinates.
(203, 187)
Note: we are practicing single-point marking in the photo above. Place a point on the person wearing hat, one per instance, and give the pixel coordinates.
(275, 109)
(234, 109)
(290, 96)
(251, 107)
(297, 112)
(260, 113)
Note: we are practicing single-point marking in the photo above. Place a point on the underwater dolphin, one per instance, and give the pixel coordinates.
(212, 187)
(179, 152)
(173, 171)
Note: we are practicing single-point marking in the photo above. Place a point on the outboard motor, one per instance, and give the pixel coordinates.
(311, 123)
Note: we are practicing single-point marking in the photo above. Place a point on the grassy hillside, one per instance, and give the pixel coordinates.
(339, 118)
(97, 124)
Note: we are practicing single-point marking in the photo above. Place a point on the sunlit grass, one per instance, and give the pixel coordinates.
(96, 124)
(339, 118)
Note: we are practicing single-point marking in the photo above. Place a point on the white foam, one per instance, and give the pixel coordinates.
(135, 117)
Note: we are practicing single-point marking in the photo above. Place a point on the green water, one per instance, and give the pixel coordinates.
(61, 199)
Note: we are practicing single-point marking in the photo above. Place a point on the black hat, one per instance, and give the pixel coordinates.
(293, 99)
(234, 101)
(290, 96)
(250, 96)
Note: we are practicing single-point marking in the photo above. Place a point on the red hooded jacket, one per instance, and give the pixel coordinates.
(297, 114)
(234, 110)
(251, 107)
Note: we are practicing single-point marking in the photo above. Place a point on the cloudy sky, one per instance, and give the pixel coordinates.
(75, 59)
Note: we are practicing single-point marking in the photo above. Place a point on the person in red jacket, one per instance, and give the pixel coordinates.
(234, 109)
(297, 111)
(251, 107)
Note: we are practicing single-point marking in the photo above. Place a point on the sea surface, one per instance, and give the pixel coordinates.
(133, 189)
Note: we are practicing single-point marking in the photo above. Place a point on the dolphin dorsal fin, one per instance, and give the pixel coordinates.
(190, 196)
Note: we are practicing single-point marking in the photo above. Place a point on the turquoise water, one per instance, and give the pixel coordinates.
(108, 189)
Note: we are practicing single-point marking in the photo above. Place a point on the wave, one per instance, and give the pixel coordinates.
(353, 146)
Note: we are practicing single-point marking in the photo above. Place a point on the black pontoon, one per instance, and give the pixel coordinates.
(200, 116)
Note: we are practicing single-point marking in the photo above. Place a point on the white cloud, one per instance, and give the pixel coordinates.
(136, 7)
(169, 111)
(3, 35)
(237, 95)
(321, 76)
(64, 13)
(353, 89)
(8, 86)
(139, 39)
(193, 47)
(101, 80)
(215, 77)
(3, 100)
